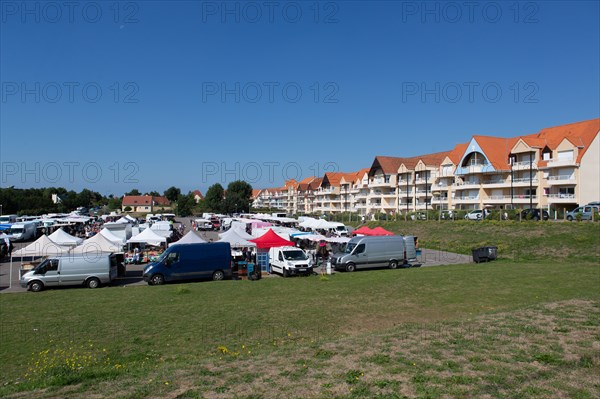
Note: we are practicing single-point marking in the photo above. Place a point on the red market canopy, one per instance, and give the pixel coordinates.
(364, 230)
(271, 239)
(380, 231)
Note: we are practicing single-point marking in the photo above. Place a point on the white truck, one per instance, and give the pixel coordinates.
(23, 231)
(290, 261)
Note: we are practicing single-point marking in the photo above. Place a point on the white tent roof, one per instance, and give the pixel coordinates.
(61, 237)
(122, 220)
(43, 246)
(233, 237)
(97, 244)
(110, 236)
(149, 237)
(189, 238)
(242, 233)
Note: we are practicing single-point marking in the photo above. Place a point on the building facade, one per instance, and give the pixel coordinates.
(557, 168)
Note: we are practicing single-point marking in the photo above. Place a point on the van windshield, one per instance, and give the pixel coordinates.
(349, 247)
(295, 255)
(16, 230)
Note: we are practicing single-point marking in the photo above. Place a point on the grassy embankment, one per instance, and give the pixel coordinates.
(525, 326)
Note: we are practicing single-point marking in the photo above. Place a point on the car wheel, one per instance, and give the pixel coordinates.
(570, 218)
(285, 272)
(393, 264)
(93, 283)
(36, 286)
(350, 267)
(157, 279)
(535, 218)
(218, 275)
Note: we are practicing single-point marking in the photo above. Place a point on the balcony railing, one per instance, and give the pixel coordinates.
(561, 196)
(467, 198)
(569, 177)
(524, 180)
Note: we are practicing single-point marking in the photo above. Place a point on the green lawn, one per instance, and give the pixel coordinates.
(527, 329)
(518, 241)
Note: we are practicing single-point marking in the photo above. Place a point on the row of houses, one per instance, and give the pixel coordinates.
(555, 168)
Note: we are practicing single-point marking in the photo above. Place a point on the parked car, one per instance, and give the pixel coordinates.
(534, 214)
(476, 214)
(585, 211)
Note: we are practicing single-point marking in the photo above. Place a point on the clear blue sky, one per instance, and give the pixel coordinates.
(198, 92)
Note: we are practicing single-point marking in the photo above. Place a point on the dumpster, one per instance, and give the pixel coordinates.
(484, 254)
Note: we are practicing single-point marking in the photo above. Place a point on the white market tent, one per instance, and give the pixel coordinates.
(43, 246)
(123, 220)
(233, 237)
(110, 236)
(147, 237)
(61, 237)
(97, 244)
(189, 238)
(242, 233)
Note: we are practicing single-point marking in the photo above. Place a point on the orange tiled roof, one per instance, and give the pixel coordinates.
(581, 134)
(456, 154)
(496, 150)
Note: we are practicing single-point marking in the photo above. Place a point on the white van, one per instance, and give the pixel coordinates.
(371, 252)
(8, 219)
(289, 261)
(60, 271)
(23, 231)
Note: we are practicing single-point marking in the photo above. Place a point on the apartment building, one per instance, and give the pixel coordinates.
(556, 168)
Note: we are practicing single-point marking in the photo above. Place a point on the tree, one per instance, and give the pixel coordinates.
(172, 193)
(239, 197)
(135, 191)
(154, 193)
(114, 203)
(214, 198)
(185, 205)
(127, 209)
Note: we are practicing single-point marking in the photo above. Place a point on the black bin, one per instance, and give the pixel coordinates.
(484, 254)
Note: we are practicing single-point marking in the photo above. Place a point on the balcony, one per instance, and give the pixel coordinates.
(468, 199)
(496, 182)
(522, 198)
(555, 163)
(558, 180)
(497, 199)
(524, 165)
(467, 184)
(440, 187)
(523, 182)
(561, 198)
(380, 183)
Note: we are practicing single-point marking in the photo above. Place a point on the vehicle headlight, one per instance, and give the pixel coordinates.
(289, 264)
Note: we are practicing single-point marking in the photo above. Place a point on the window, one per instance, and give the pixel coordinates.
(359, 249)
(565, 155)
(387, 178)
(52, 265)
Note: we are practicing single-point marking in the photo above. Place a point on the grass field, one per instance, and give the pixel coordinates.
(525, 329)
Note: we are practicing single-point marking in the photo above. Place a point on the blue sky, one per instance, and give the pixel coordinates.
(148, 94)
